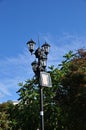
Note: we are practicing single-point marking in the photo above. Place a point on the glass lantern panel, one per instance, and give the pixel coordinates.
(43, 62)
(46, 49)
(31, 46)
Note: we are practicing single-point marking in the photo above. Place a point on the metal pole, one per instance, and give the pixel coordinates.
(41, 109)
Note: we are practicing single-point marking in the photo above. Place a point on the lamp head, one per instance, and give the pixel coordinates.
(34, 66)
(46, 48)
(31, 45)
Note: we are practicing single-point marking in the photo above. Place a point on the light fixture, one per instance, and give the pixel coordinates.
(46, 48)
(35, 66)
(31, 45)
(43, 62)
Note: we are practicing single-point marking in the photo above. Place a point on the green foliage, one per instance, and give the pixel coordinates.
(29, 105)
(72, 93)
(29, 100)
(7, 112)
(64, 102)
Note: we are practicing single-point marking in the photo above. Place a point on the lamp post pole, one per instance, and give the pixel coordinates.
(41, 108)
(38, 67)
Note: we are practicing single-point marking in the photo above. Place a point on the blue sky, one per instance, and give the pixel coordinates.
(62, 23)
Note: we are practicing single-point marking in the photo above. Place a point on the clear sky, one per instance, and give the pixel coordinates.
(62, 23)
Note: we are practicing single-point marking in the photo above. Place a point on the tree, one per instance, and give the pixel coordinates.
(64, 103)
(71, 94)
(29, 105)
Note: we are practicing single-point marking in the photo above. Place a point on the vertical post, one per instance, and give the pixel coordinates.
(41, 109)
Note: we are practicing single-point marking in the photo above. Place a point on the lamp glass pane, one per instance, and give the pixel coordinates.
(43, 62)
(31, 46)
(46, 49)
(34, 65)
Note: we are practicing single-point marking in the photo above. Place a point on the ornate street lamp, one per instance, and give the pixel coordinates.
(39, 68)
(35, 67)
(31, 45)
(46, 47)
(43, 62)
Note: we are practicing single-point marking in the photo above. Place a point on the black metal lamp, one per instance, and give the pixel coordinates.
(31, 45)
(46, 48)
(39, 67)
(35, 66)
(43, 60)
